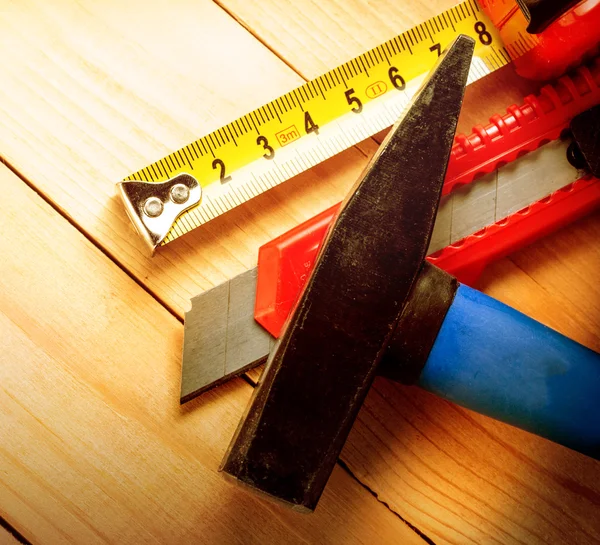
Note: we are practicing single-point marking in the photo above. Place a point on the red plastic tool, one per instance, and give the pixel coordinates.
(284, 263)
(563, 44)
(523, 128)
(467, 258)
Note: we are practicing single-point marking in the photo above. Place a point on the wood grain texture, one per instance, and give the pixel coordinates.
(97, 446)
(99, 90)
(94, 446)
(461, 477)
(503, 485)
(6, 538)
(295, 29)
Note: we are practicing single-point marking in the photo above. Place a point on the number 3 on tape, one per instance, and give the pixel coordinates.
(298, 130)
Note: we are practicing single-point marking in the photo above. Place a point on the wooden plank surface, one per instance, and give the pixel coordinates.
(98, 91)
(95, 447)
(98, 449)
(7, 538)
(464, 478)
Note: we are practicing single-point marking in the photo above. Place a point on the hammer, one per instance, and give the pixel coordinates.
(372, 304)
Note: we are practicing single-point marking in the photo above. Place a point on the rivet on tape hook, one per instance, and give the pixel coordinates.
(154, 207)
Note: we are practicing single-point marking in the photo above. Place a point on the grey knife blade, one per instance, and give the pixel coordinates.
(221, 337)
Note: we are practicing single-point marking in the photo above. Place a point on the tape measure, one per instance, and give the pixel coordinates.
(304, 127)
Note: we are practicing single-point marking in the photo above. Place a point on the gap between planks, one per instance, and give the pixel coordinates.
(9, 535)
(246, 377)
(48, 200)
(344, 466)
(62, 213)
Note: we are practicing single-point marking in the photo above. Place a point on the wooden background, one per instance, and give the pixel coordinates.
(94, 447)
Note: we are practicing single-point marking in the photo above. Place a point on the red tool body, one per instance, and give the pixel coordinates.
(563, 44)
(541, 118)
(284, 263)
(498, 221)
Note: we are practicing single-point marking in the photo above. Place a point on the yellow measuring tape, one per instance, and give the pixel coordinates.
(324, 116)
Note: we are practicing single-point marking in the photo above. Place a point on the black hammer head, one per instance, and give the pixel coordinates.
(320, 371)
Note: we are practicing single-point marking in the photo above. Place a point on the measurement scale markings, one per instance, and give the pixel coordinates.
(370, 82)
(469, 9)
(304, 89)
(454, 16)
(170, 165)
(449, 19)
(416, 34)
(161, 167)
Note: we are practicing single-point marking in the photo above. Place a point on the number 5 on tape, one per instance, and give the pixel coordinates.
(303, 127)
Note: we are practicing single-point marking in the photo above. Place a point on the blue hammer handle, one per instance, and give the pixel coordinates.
(495, 360)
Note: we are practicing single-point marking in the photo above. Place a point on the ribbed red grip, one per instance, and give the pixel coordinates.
(523, 128)
(467, 258)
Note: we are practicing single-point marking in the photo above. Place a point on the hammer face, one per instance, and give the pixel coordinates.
(319, 373)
